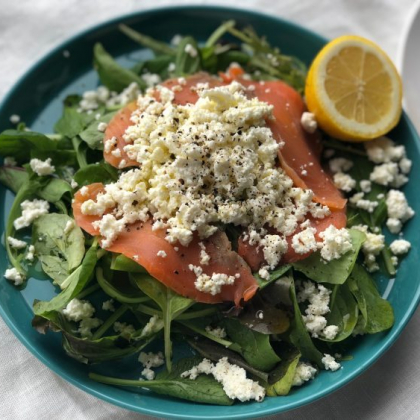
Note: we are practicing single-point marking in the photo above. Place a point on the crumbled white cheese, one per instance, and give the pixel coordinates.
(308, 122)
(9, 161)
(344, 181)
(13, 275)
(102, 126)
(217, 331)
(366, 185)
(109, 227)
(30, 255)
(154, 325)
(87, 325)
(400, 246)
(69, 227)
(304, 241)
(76, 310)
(210, 284)
(394, 225)
(42, 167)
(31, 210)
(232, 377)
(364, 204)
(171, 67)
(340, 165)
(319, 299)
(264, 273)
(16, 243)
(330, 363)
(124, 329)
(384, 174)
(204, 257)
(151, 360)
(74, 184)
(176, 40)
(405, 165)
(372, 246)
(14, 119)
(398, 207)
(190, 50)
(336, 242)
(383, 150)
(161, 254)
(151, 79)
(274, 246)
(304, 373)
(148, 374)
(108, 305)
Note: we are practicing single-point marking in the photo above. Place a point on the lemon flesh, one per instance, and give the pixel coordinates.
(354, 90)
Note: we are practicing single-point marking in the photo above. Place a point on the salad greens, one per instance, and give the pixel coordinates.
(268, 337)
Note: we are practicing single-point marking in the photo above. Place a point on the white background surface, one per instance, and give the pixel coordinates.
(28, 390)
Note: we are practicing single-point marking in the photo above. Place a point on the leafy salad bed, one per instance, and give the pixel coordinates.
(268, 337)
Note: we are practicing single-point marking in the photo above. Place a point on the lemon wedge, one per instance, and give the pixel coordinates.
(354, 90)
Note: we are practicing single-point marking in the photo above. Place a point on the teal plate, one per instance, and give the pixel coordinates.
(37, 98)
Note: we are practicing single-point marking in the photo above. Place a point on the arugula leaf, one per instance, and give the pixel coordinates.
(377, 312)
(112, 75)
(122, 263)
(344, 312)
(203, 389)
(13, 177)
(146, 41)
(215, 352)
(158, 65)
(281, 379)
(101, 172)
(299, 336)
(169, 302)
(92, 136)
(335, 271)
(60, 252)
(274, 275)
(255, 347)
(185, 63)
(73, 285)
(23, 145)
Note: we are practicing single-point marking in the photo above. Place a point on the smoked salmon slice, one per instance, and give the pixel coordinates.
(142, 244)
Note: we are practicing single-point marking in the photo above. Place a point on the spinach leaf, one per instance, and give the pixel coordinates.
(158, 65)
(203, 389)
(335, 271)
(87, 350)
(60, 252)
(23, 145)
(92, 136)
(344, 312)
(80, 148)
(73, 285)
(185, 62)
(169, 302)
(377, 312)
(122, 263)
(146, 41)
(13, 177)
(274, 275)
(255, 347)
(281, 379)
(112, 75)
(299, 336)
(73, 122)
(54, 190)
(101, 172)
(213, 351)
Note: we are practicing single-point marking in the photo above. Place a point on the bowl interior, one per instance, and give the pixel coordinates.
(37, 98)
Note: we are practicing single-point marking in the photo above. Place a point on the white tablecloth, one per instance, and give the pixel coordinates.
(28, 390)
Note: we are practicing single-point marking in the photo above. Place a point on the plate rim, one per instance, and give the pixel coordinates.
(57, 369)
